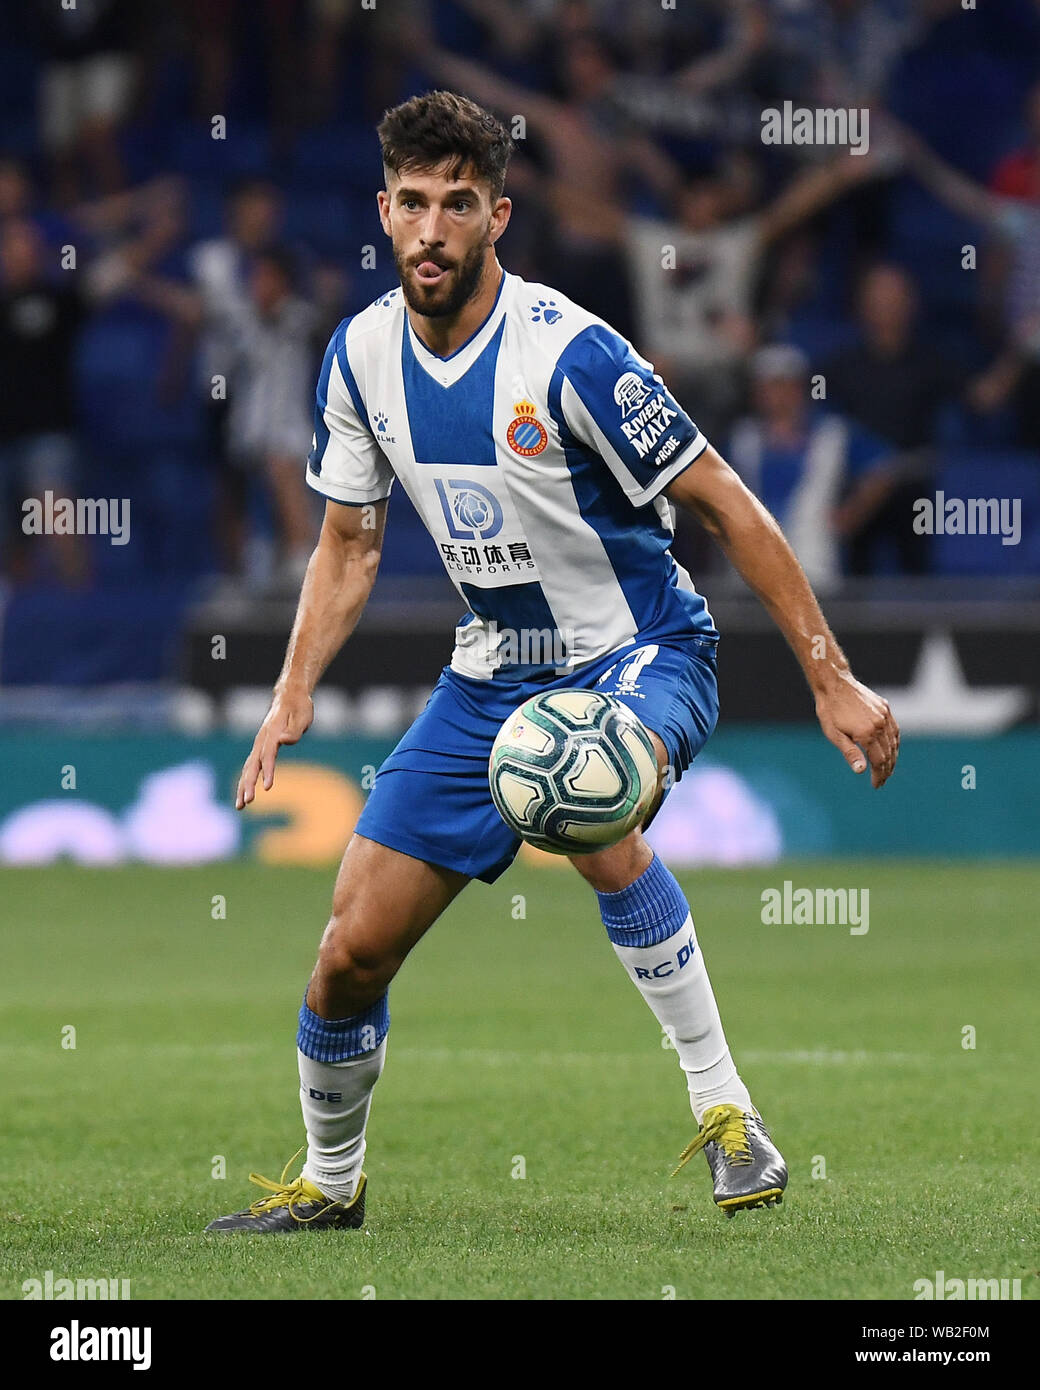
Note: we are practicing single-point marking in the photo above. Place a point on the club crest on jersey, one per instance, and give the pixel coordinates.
(526, 434)
(630, 393)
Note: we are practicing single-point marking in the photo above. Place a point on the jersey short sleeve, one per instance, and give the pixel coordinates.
(615, 404)
(345, 462)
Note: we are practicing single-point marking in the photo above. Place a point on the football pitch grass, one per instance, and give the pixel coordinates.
(519, 1046)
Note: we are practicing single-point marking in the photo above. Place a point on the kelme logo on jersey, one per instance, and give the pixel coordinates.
(471, 512)
(630, 393)
(526, 434)
(381, 422)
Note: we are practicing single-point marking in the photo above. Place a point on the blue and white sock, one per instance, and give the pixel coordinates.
(650, 926)
(340, 1062)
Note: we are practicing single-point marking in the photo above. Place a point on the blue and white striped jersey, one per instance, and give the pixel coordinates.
(535, 454)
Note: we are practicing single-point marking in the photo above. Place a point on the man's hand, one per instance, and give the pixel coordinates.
(335, 589)
(287, 721)
(859, 723)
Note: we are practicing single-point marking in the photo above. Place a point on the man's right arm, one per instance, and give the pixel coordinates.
(335, 590)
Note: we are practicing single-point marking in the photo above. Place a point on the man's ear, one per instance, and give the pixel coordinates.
(383, 203)
(500, 214)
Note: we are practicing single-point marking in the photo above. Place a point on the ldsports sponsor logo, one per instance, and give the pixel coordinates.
(470, 511)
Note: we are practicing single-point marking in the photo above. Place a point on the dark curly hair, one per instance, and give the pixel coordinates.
(442, 127)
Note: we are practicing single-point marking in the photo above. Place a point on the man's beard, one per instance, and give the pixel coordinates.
(467, 278)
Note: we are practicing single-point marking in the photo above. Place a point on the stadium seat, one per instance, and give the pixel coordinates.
(324, 220)
(1008, 474)
(245, 151)
(338, 157)
(118, 634)
(120, 359)
(927, 239)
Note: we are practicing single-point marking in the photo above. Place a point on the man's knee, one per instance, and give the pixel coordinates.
(382, 904)
(347, 960)
(610, 870)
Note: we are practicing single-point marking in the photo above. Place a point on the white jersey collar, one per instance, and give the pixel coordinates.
(448, 370)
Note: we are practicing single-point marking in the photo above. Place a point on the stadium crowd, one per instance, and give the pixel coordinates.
(187, 209)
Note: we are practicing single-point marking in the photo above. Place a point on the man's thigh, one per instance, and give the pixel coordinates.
(431, 797)
(384, 901)
(673, 688)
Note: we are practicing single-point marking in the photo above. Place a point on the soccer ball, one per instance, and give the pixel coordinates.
(572, 771)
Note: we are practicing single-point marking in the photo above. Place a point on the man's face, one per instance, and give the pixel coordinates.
(14, 190)
(19, 254)
(255, 216)
(268, 285)
(887, 303)
(441, 230)
(780, 397)
(587, 69)
(702, 204)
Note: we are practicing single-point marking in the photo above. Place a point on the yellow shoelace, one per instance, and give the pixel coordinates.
(284, 1193)
(725, 1125)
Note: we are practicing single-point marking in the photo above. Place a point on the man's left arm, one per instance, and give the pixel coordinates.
(851, 716)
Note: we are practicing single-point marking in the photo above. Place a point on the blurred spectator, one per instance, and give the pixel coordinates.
(800, 463)
(694, 279)
(219, 269)
(331, 289)
(15, 189)
(1013, 220)
(332, 20)
(893, 383)
(592, 79)
(215, 29)
(892, 380)
(591, 148)
(854, 43)
(257, 359)
(134, 232)
(1018, 174)
(39, 321)
(270, 420)
(87, 88)
(19, 200)
(220, 273)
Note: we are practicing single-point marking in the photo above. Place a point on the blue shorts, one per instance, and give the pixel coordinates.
(431, 797)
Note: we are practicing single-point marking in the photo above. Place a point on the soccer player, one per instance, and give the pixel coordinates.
(543, 454)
